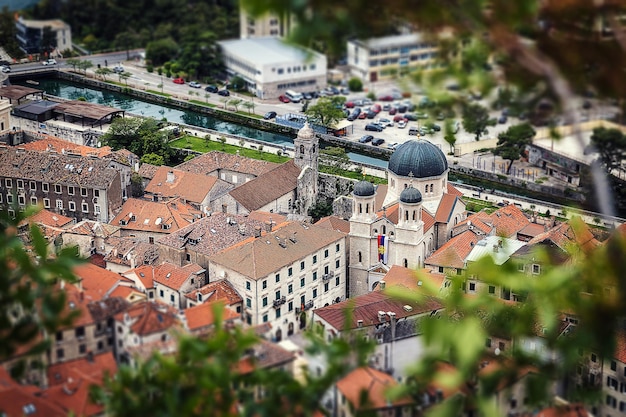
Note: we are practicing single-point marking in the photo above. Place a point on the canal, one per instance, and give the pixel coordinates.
(74, 91)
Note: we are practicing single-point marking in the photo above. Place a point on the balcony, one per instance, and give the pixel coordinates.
(279, 302)
(327, 277)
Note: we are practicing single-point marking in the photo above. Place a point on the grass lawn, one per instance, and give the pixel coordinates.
(158, 93)
(201, 145)
(202, 103)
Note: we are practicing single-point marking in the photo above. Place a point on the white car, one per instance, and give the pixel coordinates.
(50, 61)
(195, 84)
(118, 69)
(385, 122)
(5, 68)
(401, 124)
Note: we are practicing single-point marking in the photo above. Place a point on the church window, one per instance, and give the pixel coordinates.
(384, 229)
(367, 208)
(405, 262)
(313, 150)
(360, 208)
(289, 204)
(414, 215)
(301, 149)
(406, 215)
(360, 256)
(431, 188)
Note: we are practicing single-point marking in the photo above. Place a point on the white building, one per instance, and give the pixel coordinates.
(30, 34)
(271, 67)
(419, 210)
(386, 57)
(284, 273)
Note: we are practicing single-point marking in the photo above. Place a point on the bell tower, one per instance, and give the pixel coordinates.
(306, 146)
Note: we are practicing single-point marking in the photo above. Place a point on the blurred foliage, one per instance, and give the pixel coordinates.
(32, 306)
(327, 111)
(141, 137)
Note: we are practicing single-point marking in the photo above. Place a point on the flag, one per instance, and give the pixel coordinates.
(383, 248)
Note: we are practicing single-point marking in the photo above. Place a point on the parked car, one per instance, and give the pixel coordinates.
(376, 108)
(5, 69)
(50, 61)
(402, 108)
(386, 97)
(401, 124)
(398, 117)
(410, 116)
(283, 99)
(211, 88)
(363, 115)
(194, 84)
(385, 122)
(436, 127)
(378, 141)
(269, 115)
(392, 145)
(118, 69)
(374, 127)
(355, 114)
(366, 138)
(224, 93)
(502, 119)
(393, 110)
(349, 104)
(179, 80)
(371, 114)
(413, 131)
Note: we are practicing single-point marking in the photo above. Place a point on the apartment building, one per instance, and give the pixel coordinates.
(74, 186)
(284, 273)
(31, 33)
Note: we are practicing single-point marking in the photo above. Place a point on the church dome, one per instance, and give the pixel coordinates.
(420, 158)
(306, 132)
(364, 189)
(411, 195)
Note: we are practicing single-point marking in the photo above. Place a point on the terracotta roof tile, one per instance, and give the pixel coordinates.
(428, 219)
(365, 308)
(375, 384)
(266, 355)
(212, 234)
(150, 317)
(152, 216)
(211, 162)
(509, 220)
(574, 231)
(202, 316)
(287, 243)
(76, 303)
(109, 307)
(173, 276)
(52, 144)
(334, 223)
(453, 253)
(410, 278)
(74, 396)
(220, 290)
(267, 187)
(148, 170)
(48, 218)
(170, 182)
(97, 282)
(532, 230)
(445, 208)
(126, 293)
(451, 189)
(93, 367)
(126, 250)
(18, 401)
(93, 228)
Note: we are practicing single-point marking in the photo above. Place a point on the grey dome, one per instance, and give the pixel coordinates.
(419, 157)
(364, 189)
(411, 195)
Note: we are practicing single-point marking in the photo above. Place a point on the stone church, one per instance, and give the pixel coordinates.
(418, 212)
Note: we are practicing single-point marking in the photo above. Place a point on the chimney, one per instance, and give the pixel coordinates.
(257, 231)
(500, 243)
(268, 226)
(382, 284)
(495, 248)
(170, 176)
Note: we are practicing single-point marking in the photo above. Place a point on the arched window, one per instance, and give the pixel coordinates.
(384, 229)
(360, 256)
(367, 208)
(405, 263)
(360, 208)
(414, 215)
(405, 185)
(302, 149)
(431, 188)
(406, 215)
(313, 149)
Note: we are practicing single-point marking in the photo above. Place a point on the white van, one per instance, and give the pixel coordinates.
(293, 96)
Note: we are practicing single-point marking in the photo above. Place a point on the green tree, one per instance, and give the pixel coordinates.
(475, 119)
(48, 41)
(320, 209)
(222, 140)
(327, 111)
(126, 40)
(237, 83)
(85, 65)
(355, 84)
(248, 105)
(235, 102)
(103, 72)
(513, 142)
(125, 76)
(152, 159)
(610, 144)
(74, 62)
(136, 185)
(336, 158)
(8, 33)
(161, 51)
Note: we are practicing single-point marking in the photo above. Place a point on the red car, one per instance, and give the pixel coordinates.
(179, 80)
(284, 99)
(393, 111)
(363, 115)
(385, 98)
(376, 108)
(349, 105)
(398, 117)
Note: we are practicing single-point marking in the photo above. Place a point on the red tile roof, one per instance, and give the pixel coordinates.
(410, 278)
(334, 223)
(574, 231)
(203, 315)
(186, 185)
(220, 290)
(150, 317)
(446, 207)
(94, 368)
(51, 144)
(268, 187)
(145, 273)
(97, 282)
(49, 218)
(509, 220)
(365, 309)
(153, 216)
(19, 401)
(451, 189)
(74, 396)
(173, 276)
(211, 163)
(372, 385)
(453, 253)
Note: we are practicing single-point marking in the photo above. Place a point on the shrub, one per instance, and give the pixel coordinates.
(355, 84)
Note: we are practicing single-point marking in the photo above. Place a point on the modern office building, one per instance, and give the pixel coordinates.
(270, 66)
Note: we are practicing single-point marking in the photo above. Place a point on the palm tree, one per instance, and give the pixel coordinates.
(248, 105)
(235, 102)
